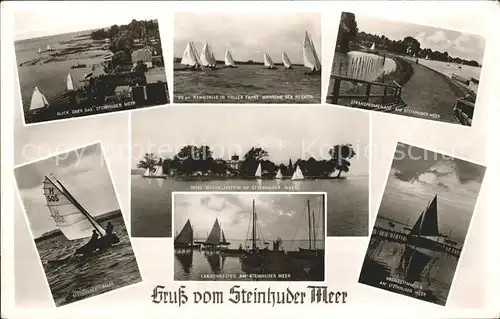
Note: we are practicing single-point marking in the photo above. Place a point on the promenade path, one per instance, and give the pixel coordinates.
(428, 91)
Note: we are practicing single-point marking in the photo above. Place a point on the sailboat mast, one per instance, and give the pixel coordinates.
(314, 229)
(309, 220)
(253, 225)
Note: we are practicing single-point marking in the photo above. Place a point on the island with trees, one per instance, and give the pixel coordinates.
(197, 161)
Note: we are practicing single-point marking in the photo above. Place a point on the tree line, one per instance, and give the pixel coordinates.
(192, 159)
(349, 37)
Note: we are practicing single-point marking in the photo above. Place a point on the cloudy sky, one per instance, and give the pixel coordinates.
(301, 133)
(83, 172)
(412, 183)
(280, 215)
(457, 44)
(248, 36)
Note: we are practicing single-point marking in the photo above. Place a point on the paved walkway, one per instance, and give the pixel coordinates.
(429, 91)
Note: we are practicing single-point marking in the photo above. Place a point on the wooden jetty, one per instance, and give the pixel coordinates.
(405, 238)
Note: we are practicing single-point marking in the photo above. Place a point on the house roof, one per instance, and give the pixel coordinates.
(143, 55)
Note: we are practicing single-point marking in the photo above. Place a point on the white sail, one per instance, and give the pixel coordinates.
(207, 57)
(258, 172)
(73, 221)
(159, 171)
(38, 100)
(228, 59)
(311, 59)
(297, 174)
(39, 50)
(286, 60)
(373, 46)
(267, 61)
(69, 83)
(279, 175)
(147, 173)
(190, 56)
(48, 47)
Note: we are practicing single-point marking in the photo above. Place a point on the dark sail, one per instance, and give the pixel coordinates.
(185, 237)
(215, 234)
(427, 223)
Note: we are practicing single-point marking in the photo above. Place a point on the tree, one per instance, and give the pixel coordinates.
(340, 155)
(348, 29)
(251, 160)
(148, 162)
(192, 158)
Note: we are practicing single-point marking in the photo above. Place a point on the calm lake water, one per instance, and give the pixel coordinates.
(347, 201)
(247, 80)
(436, 280)
(74, 278)
(196, 264)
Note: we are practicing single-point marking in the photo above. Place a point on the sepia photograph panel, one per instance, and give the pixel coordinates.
(77, 225)
(115, 68)
(321, 151)
(247, 58)
(422, 224)
(406, 69)
(249, 236)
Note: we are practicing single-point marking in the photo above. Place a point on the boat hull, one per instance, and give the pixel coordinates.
(101, 243)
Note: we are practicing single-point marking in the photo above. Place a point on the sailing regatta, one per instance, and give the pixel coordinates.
(191, 57)
(73, 220)
(207, 57)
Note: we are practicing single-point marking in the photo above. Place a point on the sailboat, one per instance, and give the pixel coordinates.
(312, 250)
(159, 172)
(424, 232)
(286, 61)
(38, 101)
(39, 50)
(207, 57)
(49, 48)
(373, 47)
(297, 175)
(73, 220)
(311, 59)
(147, 173)
(279, 175)
(258, 172)
(184, 239)
(190, 58)
(216, 237)
(268, 62)
(228, 60)
(253, 258)
(69, 83)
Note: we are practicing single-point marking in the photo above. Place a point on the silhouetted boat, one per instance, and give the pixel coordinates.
(184, 239)
(312, 251)
(216, 238)
(252, 259)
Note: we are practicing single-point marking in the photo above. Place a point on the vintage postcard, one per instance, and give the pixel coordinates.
(247, 58)
(116, 68)
(422, 224)
(407, 69)
(321, 151)
(77, 225)
(249, 236)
